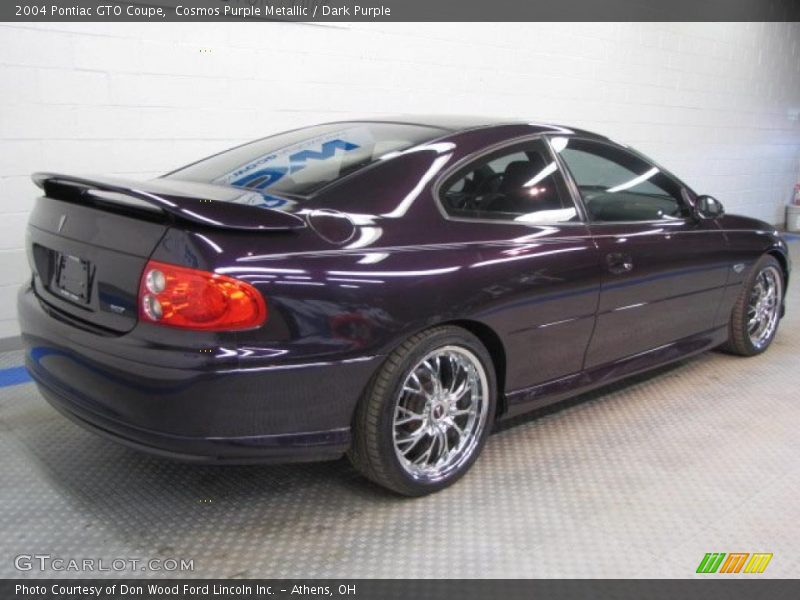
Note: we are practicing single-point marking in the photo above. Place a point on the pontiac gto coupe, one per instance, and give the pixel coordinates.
(385, 289)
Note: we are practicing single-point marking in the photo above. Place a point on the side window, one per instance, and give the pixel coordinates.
(617, 185)
(522, 184)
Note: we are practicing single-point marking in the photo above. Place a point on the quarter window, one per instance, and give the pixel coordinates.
(617, 185)
(521, 184)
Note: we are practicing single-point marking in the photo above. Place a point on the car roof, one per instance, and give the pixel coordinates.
(459, 123)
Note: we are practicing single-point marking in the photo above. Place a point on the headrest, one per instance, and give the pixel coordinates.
(519, 172)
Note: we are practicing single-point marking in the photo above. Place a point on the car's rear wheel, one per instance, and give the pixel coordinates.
(755, 316)
(427, 412)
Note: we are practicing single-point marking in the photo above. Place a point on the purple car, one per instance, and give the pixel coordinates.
(386, 289)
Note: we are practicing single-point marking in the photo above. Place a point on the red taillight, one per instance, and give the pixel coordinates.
(192, 299)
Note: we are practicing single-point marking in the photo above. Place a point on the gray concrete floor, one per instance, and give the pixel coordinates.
(639, 480)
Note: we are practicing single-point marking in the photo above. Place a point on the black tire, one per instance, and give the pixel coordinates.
(373, 448)
(739, 341)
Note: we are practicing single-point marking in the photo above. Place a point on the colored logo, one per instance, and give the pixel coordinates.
(734, 562)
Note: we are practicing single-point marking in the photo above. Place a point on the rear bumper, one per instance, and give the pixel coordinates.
(280, 448)
(197, 411)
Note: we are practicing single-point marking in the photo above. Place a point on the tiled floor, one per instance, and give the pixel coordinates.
(640, 480)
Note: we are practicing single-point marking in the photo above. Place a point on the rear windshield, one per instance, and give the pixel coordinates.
(302, 161)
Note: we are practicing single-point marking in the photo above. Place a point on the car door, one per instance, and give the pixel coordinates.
(536, 273)
(664, 271)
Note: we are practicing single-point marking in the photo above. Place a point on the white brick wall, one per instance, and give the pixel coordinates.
(717, 103)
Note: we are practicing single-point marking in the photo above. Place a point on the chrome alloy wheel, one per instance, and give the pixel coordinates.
(440, 413)
(764, 306)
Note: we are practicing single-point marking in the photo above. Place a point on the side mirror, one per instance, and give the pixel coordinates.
(708, 207)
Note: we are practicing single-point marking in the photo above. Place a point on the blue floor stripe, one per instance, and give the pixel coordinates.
(13, 376)
(791, 237)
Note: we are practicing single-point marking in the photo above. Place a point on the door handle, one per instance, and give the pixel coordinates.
(618, 262)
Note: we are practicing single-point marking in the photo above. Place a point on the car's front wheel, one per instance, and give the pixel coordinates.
(755, 316)
(427, 412)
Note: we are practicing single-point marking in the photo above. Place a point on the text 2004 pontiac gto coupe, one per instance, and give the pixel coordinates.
(381, 288)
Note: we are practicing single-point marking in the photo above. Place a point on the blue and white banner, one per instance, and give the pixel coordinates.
(324, 152)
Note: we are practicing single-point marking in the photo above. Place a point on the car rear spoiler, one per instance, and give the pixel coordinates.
(217, 206)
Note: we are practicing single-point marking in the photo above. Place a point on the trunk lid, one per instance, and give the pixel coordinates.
(88, 240)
